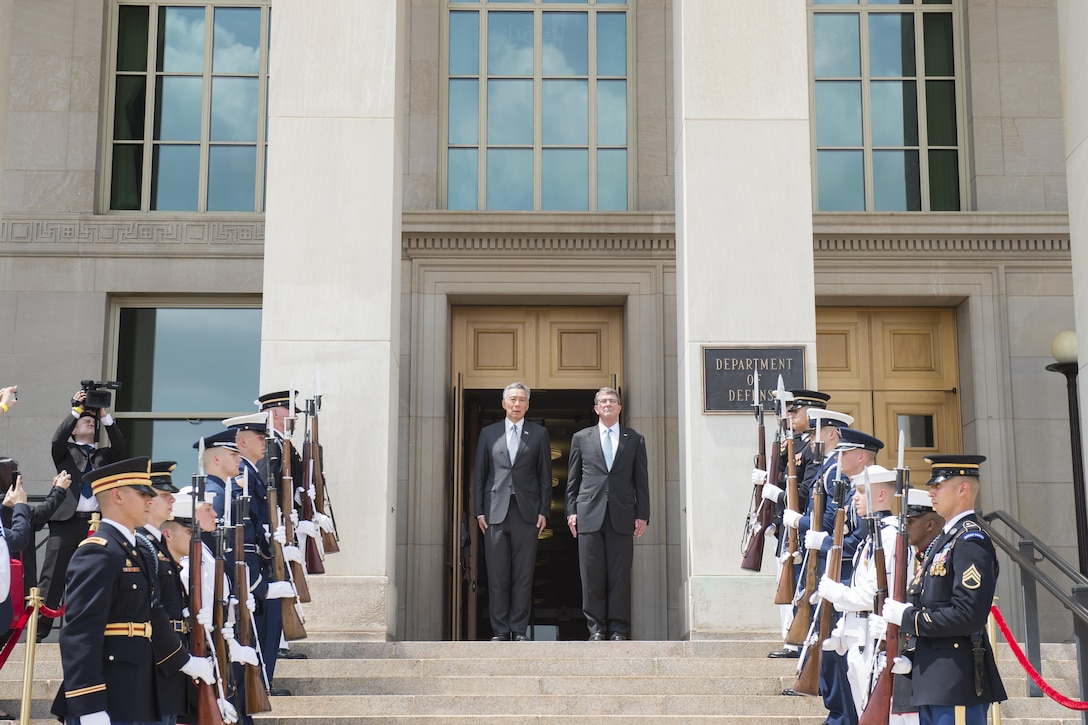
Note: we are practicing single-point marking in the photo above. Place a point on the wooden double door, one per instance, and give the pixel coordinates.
(894, 369)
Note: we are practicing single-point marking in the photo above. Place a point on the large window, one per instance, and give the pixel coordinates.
(189, 94)
(537, 105)
(886, 105)
(183, 368)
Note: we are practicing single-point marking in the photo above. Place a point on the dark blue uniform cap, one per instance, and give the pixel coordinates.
(160, 476)
(278, 399)
(222, 439)
(946, 466)
(851, 439)
(808, 399)
(132, 472)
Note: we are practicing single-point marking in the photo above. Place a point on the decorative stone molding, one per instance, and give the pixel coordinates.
(146, 235)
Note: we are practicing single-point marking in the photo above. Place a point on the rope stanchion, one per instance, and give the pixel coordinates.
(1050, 692)
(19, 625)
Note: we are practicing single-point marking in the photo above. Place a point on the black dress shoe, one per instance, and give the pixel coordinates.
(521, 638)
(596, 637)
(617, 637)
(279, 692)
(785, 654)
(286, 654)
(501, 638)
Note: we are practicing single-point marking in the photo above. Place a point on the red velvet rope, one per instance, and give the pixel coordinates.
(19, 625)
(1030, 669)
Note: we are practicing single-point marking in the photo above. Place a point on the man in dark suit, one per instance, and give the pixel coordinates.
(954, 674)
(608, 500)
(77, 449)
(512, 487)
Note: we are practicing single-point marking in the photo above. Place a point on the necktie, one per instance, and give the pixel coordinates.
(85, 490)
(606, 446)
(512, 443)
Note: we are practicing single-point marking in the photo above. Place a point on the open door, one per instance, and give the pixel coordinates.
(464, 534)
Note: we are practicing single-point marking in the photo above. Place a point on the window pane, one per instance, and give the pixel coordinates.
(464, 44)
(896, 181)
(612, 180)
(509, 179)
(177, 108)
(565, 180)
(181, 40)
(566, 44)
(941, 112)
(566, 112)
(891, 2)
(510, 44)
(175, 172)
(127, 179)
(568, 2)
(841, 185)
(611, 2)
(463, 179)
(234, 109)
(944, 180)
(166, 359)
(510, 112)
(128, 114)
(834, 2)
(611, 44)
(232, 178)
(132, 23)
(838, 113)
(917, 429)
(837, 45)
(236, 47)
(169, 440)
(937, 36)
(895, 113)
(891, 45)
(612, 113)
(464, 111)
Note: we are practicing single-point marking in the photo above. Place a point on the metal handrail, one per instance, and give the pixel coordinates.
(1048, 554)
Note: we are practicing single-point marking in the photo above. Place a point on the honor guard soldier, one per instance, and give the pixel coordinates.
(954, 674)
(117, 634)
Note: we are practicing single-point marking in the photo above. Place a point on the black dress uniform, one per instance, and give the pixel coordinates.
(116, 633)
(951, 596)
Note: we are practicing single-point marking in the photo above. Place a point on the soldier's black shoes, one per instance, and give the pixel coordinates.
(501, 638)
(617, 637)
(286, 654)
(596, 637)
(784, 654)
(520, 638)
(279, 692)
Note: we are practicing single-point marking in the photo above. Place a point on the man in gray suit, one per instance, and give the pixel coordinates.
(513, 491)
(608, 500)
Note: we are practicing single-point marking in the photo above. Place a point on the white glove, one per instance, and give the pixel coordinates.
(815, 598)
(814, 539)
(294, 517)
(280, 590)
(771, 492)
(251, 603)
(324, 522)
(199, 668)
(95, 718)
(758, 476)
(901, 666)
(230, 715)
(878, 627)
(242, 654)
(280, 535)
(228, 632)
(292, 553)
(830, 590)
(306, 528)
(791, 518)
(893, 611)
(204, 617)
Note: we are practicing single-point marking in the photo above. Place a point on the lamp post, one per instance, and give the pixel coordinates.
(1064, 350)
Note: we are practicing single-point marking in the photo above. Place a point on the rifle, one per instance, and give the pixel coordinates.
(293, 628)
(323, 504)
(287, 492)
(207, 702)
(787, 586)
(808, 681)
(256, 694)
(803, 616)
(311, 553)
(759, 511)
(878, 709)
(221, 603)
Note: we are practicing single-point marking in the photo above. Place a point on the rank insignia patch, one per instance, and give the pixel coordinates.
(972, 578)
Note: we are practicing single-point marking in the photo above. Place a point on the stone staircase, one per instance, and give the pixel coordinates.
(729, 680)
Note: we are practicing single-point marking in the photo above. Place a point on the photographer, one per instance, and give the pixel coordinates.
(76, 449)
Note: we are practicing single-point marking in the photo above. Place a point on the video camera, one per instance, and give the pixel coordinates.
(98, 393)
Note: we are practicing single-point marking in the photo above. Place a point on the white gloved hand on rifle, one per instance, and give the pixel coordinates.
(791, 518)
(230, 715)
(814, 539)
(294, 517)
(292, 553)
(205, 618)
(306, 528)
(771, 492)
(280, 590)
(280, 535)
(878, 627)
(758, 476)
(902, 666)
(199, 668)
(242, 654)
(324, 522)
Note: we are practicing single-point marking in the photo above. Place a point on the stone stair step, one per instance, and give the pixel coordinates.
(276, 719)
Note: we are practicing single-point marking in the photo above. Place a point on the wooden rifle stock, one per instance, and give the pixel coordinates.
(293, 628)
(786, 584)
(803, 616)
(330, 540)
(256, 694)
(219, 615)
(310, 551)
(759, 511)
(207, 702)
(287, 495)
(879, 707)
(808, 682)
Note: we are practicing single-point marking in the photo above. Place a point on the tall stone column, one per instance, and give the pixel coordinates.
(7, 20)
(332, 275)
(744, 234)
